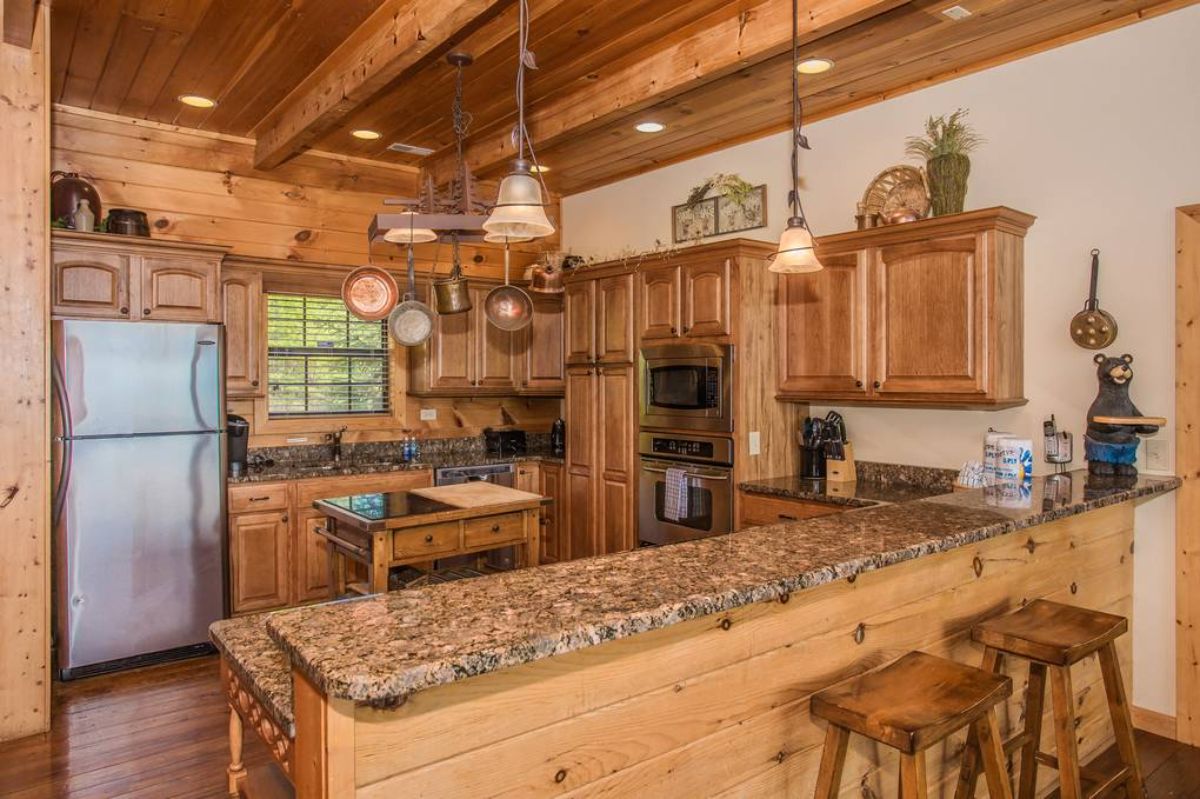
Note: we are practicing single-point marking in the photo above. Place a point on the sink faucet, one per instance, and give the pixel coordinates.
(335, 438)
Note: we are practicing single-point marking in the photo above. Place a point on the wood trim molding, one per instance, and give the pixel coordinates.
(1187, 466)
(19, 19)
(1153, 722)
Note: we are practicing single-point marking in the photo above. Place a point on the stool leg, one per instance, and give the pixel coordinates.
(991, 751)
(1035, 701)
(968, 773)
(912, 776)
(1070, 786)
(829, 778)
(1118, 708)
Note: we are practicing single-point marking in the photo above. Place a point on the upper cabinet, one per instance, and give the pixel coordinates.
(124, 277)
(245, 333)
(927, 313)
(599, 320)
(691, 300)
(467, 354)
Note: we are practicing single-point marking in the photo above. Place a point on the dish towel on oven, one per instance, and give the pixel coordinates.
(675, 498)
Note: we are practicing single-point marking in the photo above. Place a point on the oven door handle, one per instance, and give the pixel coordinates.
(696, 475)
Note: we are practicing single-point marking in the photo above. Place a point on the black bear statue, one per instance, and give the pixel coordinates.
(1114, 422)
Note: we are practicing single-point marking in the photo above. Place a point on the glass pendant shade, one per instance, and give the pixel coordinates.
(796, 254)
(500, 238)
(409, 235)
(519, 212)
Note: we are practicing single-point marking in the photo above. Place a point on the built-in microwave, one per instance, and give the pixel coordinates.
(686, 387)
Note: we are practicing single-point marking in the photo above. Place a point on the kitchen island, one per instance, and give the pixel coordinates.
(679, 671)
(396, 528)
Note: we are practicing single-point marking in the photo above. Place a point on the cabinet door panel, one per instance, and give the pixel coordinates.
(312, 559)
(706, 299)
(241, 307)
(580, 322)
(528, 478)
(614, 319)
(91, 284)
(616, 519)
(554, 548)
(659, 306)
(615, 451)
(823, 329)
(497, 348)
(452, 351)
(258, 546)
(929, 324)
(579, 516)
(542, 348)
(179, 289)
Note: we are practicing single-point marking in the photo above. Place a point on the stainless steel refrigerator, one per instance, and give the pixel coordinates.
(139, 501)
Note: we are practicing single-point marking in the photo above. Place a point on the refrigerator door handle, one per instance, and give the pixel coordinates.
(64, 467)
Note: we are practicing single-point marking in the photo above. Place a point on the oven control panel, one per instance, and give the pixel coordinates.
(704, 449)
(681, 447)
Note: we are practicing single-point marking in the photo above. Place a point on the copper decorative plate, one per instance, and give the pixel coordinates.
(370, 293)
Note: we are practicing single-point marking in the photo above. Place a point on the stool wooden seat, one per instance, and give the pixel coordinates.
(1053, 637)
(911, 705)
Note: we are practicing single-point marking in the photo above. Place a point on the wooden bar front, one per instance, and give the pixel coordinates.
(719, 706)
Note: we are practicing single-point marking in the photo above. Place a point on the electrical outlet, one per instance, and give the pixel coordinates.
(755, 443)
(429, 414)
(1157, 454)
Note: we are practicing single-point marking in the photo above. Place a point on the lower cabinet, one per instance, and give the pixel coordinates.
(555, 546)
(755, 510)
(258, 553)
(311, 559)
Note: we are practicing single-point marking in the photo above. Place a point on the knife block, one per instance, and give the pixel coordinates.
(842, 471)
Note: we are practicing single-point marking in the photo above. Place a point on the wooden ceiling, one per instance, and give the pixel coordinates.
(295, 74)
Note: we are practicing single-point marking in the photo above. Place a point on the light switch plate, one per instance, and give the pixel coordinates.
(1157, 454)
(429, 414)
(755, 443)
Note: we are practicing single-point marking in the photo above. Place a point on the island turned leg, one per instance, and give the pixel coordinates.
(237, 769)
(380, 556)
(533, 537)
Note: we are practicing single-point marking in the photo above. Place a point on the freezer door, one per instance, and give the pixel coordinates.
(141, 546)
(121, 378)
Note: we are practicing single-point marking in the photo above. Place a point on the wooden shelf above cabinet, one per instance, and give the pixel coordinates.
(923, 314)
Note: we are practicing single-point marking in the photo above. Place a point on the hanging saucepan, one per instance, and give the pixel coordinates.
(1092, 328)
(452, 295)
(411, 322)
(547, 278)
(508, 307)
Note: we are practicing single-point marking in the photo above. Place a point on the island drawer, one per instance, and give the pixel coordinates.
(758, 509)
(258, 496)
(505, 528)
(431, 540)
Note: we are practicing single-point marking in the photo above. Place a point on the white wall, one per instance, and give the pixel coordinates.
(1097, 139)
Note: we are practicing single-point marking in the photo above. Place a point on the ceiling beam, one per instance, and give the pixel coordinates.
(399, 38)
(720, 47)
(19, 19)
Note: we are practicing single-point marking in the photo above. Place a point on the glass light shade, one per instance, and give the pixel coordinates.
(796, 254)
(500, 238)
(409, 235)
(519, 211)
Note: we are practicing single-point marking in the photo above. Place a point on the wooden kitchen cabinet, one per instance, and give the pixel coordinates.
(579, 321)
(245, 334)
(555, 545)
(96, 275)
(614, 319)
(755, 510)
(928, 313)
(528, 477)
(659, 303)
(691, 299)
(451, 353)
(540, 349)
(496, 349)
(258, 549)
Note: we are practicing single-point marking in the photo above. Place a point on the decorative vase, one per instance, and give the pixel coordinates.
(948, 182)
(66, 190)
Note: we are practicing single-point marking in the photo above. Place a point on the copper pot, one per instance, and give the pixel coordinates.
(452, 295)
(546, 279)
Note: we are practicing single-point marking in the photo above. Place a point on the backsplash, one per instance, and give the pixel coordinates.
(433, 450)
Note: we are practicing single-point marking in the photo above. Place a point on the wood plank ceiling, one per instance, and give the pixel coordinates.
(713, 71)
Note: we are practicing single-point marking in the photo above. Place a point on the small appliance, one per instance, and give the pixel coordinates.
(686, 387)
(237, 432)
(504, 443)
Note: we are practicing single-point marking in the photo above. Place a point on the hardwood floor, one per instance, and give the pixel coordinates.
(161, 732)
(155, 732)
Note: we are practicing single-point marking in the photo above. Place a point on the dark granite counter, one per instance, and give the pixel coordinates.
(259, 664)
(382, 648)
(861, 494)
(302, 471)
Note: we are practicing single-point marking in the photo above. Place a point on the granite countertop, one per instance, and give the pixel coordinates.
(259, 663)
(860, 494)
(301, 471)
(380, 649)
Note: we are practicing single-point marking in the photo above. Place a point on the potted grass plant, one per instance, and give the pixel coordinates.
(946, 148)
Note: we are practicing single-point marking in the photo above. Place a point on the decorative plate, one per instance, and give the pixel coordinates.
(896, 190)
(370, 293)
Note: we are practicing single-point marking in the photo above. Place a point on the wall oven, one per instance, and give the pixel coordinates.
(686, 387)
(706, 509)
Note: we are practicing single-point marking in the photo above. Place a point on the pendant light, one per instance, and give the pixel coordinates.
(796, 254)
(407, 233)
(520, 210)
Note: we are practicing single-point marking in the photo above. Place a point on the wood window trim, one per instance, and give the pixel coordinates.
(1187, 466)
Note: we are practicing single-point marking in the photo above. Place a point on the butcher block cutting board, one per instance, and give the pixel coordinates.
(475, 495)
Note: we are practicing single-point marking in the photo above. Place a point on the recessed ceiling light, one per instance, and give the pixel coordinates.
(539, 168)
(956, 12)
(197, 101)
(650, 127)
(814, 66)
(366, 135)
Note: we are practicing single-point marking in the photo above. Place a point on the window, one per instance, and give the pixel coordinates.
(322, 360)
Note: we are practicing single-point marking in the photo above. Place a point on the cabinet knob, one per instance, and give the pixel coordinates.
(788, 517)
(672, 330)
(495, 528)
(124, 309)
(145, 312)
(858, 384)
(429, 538)
(283, 518)
(687, 328)
(876, 384)
(254, 383)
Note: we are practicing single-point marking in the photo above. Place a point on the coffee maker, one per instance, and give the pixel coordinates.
(237, 431)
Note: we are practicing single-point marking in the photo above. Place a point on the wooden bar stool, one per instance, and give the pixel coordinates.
(911, 705)
(1053, 637)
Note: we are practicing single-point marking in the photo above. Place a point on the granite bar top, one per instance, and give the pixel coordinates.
(259, 663)
(301, 471)
(860, 494)
(380, 649)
